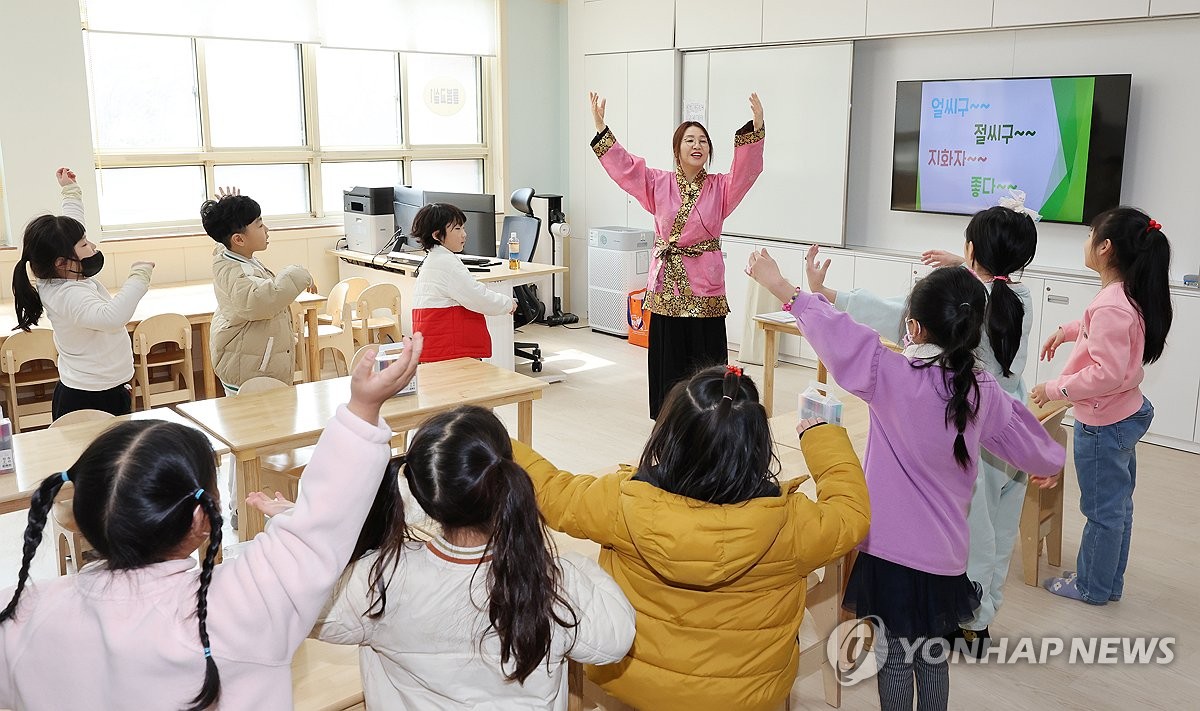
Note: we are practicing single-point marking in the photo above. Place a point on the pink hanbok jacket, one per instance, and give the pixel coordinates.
(686, 262)
(129, 640)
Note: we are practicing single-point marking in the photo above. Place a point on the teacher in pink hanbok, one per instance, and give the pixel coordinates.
(686, 287)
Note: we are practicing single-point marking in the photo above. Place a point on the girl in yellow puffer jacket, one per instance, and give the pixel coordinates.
(710, 549)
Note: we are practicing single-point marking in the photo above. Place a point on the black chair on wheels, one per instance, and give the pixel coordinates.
(527, 227)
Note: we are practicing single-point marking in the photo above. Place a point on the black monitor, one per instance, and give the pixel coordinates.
(480, 210)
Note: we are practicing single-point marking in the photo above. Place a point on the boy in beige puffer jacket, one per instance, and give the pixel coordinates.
(252, 327)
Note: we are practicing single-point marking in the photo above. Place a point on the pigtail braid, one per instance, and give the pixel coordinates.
(39, 509)
(211, 690)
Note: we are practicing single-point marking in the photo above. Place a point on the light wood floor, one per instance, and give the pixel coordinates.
(598, 417)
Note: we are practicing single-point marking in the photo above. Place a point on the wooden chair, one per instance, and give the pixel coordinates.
(35, 349)
(174, 332)
(377, 311)
(1042, 513)
(280, 472)
(69, 543)
(354, 287)
(337, 336)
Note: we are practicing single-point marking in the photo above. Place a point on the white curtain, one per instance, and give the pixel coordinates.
(429, 26)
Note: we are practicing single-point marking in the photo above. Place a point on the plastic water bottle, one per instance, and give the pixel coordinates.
(7, 461)
(514, 251)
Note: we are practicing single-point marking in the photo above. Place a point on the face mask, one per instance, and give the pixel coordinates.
(91, 266)
(907, 339)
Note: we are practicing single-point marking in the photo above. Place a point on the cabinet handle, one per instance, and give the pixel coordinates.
(1056, 299)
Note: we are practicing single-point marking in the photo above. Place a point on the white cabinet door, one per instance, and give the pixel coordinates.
(1048, 12)
(887, 17)
(919, 271)
(881, 276)
(1037, 287)
(711, 23)
(605, 204)
(628, 25)
(737, 285)
(791, 20)
(1173, 381)
(652, 114)
(1062, 302)
(840, 278)
(1173, 7)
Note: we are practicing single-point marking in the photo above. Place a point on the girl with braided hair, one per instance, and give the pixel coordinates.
(144, 627)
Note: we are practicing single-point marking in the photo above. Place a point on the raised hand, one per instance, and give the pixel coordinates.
(227, 191)
(65, 177)
(757, 110)
(815, 271)
(597, 110)
(763, 269)
(369, 390)
(807, 423)
(940, 258)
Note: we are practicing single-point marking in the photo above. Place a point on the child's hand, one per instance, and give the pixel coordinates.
(312, 287)
(1038, 395)
(808, 423)
(816, 271)
(1052, 343)
(65, 177)
(138, 264)
(940, 258)
(1045, 482)
(227, 191)
(763, 269)
(269, 507)
(369, 390)
(756, 111)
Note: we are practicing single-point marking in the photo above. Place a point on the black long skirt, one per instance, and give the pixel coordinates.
(679, 346)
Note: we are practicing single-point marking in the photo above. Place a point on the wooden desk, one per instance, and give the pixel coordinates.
(41, 453)
(772, 329)
(287, 418)
(375, 269)
(197, 302)
(326, 677)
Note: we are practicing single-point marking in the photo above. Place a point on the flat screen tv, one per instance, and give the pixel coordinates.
(961, 145)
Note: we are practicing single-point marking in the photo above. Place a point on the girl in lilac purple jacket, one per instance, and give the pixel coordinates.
(931, 410)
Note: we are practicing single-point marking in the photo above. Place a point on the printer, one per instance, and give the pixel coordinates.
(369, 218)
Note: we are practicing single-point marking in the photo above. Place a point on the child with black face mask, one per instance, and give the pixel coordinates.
(95, 356)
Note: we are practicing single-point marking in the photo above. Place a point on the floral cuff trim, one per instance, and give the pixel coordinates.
(746, 135)
(603, 141)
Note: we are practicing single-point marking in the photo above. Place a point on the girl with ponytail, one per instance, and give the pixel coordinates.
(712, 549)
(478, 611)
(144, 627)
(1123, 329)
(1000, 243)
(931, 412)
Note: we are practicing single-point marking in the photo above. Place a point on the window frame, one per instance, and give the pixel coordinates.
(311, 154)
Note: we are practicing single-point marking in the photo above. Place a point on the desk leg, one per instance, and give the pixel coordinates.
(210, 378)
(525, 422)
(249, 478)
(770, 356)
(313, 357)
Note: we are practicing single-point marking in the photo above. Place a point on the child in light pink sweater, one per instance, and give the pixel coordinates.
(1124, 328)
(145, 628)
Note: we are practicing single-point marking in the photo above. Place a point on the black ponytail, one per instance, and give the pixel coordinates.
(524, 587)
(1142, 256)
(210, 690)
(47, 238)
(460, 469)
(39, 508)
(949, 304)
(1004, 243)
(383, 531)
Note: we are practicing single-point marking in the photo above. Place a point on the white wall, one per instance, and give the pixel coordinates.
(535, 79)
(1161, 150)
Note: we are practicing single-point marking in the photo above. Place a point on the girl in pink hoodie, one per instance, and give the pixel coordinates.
(1124, 328)
(145, 628)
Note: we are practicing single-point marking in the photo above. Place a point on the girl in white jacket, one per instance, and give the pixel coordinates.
(95, 356)
(478, 613)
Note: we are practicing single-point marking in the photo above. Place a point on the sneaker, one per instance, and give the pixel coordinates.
(1065, 587)
(1072, 576)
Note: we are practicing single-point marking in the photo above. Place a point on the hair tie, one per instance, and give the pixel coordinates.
(1002, 278)
(965, 304)
(64, 476)
(198, 494)
(1153, 226)
(727, 397)
(207, 650)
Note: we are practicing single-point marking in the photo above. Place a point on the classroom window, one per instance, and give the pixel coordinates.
(290, 124)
